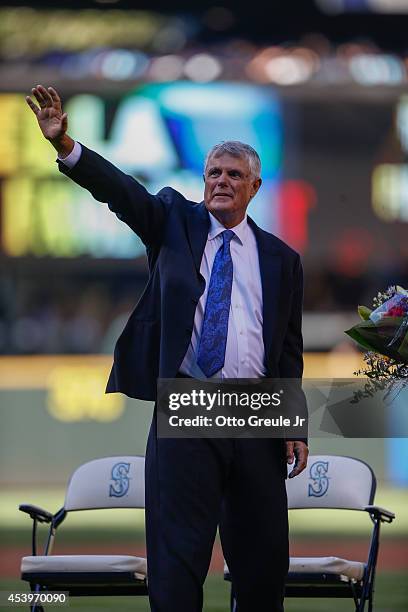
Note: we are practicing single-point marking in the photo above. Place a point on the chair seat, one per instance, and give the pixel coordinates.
(331, 565)
(84, 564)
(353, 570)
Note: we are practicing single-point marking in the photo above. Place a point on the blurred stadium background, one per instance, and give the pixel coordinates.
(319, 88)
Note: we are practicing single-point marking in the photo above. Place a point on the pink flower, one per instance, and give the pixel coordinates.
(395, 311)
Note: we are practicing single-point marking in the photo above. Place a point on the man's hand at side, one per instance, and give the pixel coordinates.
(52, 121)
(296, 451)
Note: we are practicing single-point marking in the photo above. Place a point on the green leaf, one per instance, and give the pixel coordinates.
(376, 337)
(364, 312)
(356, 335)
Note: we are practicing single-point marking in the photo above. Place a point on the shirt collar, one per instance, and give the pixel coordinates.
(216, 228)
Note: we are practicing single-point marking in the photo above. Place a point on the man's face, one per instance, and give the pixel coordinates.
(229, 186)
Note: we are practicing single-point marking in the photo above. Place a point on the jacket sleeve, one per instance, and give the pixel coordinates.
(291, 361)
(144, 213)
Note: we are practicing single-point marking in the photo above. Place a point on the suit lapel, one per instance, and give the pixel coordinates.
(270, 263)
(198, 225)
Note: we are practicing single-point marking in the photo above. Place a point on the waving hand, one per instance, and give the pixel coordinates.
(51, 119)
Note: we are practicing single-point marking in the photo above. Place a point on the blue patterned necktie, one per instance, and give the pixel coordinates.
(213, 339)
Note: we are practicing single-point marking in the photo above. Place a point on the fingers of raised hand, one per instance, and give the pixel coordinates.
(33, 106)
(46, 96)
(42, 96)
(38, 96)
(54, 96)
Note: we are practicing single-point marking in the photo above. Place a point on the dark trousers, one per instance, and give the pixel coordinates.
(194, 485)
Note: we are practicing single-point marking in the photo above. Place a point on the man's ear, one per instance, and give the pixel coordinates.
(255, 186)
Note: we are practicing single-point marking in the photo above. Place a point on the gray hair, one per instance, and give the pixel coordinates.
(235, 148)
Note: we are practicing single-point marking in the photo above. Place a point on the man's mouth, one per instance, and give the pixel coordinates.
(222, 194)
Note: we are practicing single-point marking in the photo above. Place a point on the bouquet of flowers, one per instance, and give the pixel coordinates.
(383, 332)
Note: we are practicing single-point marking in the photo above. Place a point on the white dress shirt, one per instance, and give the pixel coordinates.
(244, 353)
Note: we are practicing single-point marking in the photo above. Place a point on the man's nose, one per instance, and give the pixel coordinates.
(222, 179)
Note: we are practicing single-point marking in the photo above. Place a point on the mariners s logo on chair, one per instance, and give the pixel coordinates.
(119, 475)
(318, 474)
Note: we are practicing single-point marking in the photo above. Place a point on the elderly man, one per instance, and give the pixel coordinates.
(223, 300)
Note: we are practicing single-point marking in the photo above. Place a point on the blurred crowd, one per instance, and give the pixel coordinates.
(65, 315)
(77, 314)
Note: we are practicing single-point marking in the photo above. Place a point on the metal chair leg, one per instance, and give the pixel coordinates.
(233, 601)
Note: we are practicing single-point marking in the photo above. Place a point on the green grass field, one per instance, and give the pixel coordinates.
(391, 595)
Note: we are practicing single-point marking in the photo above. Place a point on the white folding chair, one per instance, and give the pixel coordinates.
(110, 482)
(332, 481)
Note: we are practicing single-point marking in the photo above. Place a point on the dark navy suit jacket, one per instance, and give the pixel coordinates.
(174, 231)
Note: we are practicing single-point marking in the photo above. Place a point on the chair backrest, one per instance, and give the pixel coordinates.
(332, 481)
(109, 482)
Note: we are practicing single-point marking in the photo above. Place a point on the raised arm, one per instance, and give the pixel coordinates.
(145, 213)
